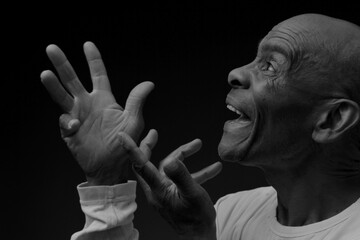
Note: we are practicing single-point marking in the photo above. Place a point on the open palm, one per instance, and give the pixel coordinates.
(92, 121)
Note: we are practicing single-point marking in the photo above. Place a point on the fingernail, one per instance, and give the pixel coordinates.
(172, 166)
(71, 123)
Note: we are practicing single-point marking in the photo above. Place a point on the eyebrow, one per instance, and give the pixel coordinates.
(272, 48)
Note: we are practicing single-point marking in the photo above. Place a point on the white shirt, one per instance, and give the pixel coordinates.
(251, 215)
(109, 211)
(246, 215)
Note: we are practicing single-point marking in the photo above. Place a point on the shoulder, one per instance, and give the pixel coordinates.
(245, 198)
(237, 209)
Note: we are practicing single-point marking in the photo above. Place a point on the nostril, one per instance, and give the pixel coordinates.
(235, 83)
(239, 78)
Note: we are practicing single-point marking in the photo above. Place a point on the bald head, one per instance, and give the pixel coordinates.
(326, 60)
(324, 50)
(322, 26)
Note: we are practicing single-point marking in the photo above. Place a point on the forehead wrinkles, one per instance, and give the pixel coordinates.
(292, 37)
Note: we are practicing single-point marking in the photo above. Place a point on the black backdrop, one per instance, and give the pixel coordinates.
(186, 49)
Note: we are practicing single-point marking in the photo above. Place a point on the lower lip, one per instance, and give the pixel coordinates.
(238, 128)
(236, 137)
(238, 123)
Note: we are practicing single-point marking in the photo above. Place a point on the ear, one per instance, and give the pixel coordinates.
(336, 118)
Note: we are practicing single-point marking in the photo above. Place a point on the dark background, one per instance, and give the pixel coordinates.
(186, 49)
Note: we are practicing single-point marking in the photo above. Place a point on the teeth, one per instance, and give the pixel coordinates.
(231, 108)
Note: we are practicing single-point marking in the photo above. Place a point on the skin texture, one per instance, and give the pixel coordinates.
(175, 193)
(92, 121)
(300, 105)
(283, 88)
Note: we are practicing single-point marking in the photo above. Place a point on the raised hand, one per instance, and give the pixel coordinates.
(92, 121)
(172, 190)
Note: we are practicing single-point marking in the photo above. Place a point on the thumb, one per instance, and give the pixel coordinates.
(178, 173)
(137, 97)
(68, 125)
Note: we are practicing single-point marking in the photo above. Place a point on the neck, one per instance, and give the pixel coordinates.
(314, 194)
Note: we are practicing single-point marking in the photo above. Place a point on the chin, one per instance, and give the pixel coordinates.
(232, 149)
(227, 154)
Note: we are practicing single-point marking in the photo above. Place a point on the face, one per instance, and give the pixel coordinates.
(273, 105)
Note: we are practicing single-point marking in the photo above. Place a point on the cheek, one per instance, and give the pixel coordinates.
(282, 123)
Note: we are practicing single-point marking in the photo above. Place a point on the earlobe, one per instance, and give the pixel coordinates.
(321, 132)
(336, 119)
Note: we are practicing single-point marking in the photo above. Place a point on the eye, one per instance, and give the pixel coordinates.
(268, 66)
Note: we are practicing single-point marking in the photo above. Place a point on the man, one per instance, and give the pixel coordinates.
(298, 112)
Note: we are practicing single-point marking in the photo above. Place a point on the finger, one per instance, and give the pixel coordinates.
(187, 149)
(137, 97)
(178, 173)
(149, 142)
(56, 90)
(181, 153)
(97, 68)
(137, 156)
(68, 125)
(207, 173)
(67, 74)
(146, 188)
(141, 164)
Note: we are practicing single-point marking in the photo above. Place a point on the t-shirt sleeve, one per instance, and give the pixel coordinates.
(109, 212)
(233, 211)
(224, 217)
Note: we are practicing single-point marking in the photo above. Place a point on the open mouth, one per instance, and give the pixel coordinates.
(241, 116)
(239, 132)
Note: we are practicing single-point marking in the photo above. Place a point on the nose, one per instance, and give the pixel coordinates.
(239, 78)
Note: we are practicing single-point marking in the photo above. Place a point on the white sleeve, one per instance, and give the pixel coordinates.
(109, 212)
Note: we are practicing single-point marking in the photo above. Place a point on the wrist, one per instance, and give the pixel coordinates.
(105, 182)
(108, 177)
